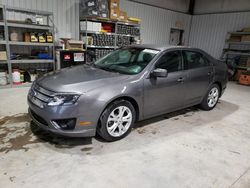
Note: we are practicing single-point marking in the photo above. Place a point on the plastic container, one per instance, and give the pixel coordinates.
(3, 79)
(16, 77)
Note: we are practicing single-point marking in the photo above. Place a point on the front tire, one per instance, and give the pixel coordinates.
(116, 121)
(211, 98)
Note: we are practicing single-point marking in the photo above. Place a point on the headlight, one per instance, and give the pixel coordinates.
(63, 100)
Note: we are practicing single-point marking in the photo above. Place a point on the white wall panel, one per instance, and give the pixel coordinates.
(177, 5)
(212, 6)
(156, 22)
(208, 32)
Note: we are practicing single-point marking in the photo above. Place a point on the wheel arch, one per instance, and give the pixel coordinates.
(220, 86)
(129, 99)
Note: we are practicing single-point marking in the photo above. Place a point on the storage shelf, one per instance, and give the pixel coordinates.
(238, 53)
(109, 21)
(127, 35)
(239, 33)
(29, 26)
(240, 43)
(243, 67)
(24, 61)
(36, 12)
(97, 32)
(3, 62)
(30, 43)
(2, 42)
(10, 46)
(92, 46)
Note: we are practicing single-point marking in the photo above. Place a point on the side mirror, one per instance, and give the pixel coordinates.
(159, 73)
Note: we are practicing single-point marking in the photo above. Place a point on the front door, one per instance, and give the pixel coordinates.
(164, 94)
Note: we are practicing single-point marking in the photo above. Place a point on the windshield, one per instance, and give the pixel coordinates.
(127, 60)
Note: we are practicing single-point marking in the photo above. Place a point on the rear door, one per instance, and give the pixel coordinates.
(200, 73)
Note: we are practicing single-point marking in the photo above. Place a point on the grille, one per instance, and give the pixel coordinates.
(38, 118)
(40, 96)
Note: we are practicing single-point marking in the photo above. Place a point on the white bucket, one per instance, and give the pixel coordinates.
(3, 79)
(16, 77)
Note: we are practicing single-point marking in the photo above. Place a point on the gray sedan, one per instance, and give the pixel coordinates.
(128, 85)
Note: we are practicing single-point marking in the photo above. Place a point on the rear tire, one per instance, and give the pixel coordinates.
(211, 98)
(116, 121)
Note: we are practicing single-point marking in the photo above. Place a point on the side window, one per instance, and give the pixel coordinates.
(171, 61)
(194, 59)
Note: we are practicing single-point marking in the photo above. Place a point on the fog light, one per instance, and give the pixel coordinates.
(66, 124)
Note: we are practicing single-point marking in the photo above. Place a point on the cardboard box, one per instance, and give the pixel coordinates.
(245, 38)
(247, 29)
(97, 26)
(114, 14)
(104, 14)
(114, 4)
(3, 56)
(72, 44)
(237, 75)
(86, 26)
(234, 39)
(248, 62)
(245, 78)
(103, 5)
(123, 16)
(91, 12)
(86, 4)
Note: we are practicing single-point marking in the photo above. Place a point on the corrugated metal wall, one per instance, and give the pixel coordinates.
(208, 32)
(156, 22)
(66, 14)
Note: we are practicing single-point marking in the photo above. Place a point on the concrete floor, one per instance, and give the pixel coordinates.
(188, 148)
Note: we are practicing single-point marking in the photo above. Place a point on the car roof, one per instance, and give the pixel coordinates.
(160, 47)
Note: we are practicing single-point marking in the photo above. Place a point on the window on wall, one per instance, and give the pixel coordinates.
(171, 61)
(194, 59)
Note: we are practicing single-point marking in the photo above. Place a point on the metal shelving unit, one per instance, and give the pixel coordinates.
(9, 24)
(240, 49)
(30, 43)
(115, 33)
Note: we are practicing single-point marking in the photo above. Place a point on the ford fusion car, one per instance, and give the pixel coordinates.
(128, 85)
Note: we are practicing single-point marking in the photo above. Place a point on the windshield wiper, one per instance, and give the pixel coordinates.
(106, 68)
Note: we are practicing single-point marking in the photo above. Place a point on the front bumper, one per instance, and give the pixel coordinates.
(44, 119)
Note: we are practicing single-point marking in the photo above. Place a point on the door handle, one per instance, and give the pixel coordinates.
(180, 79)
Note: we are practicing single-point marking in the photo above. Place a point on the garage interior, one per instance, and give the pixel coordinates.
(186, 148)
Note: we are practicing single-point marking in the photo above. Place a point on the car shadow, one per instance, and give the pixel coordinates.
(57, 140)
(222, 110)
(225, 108)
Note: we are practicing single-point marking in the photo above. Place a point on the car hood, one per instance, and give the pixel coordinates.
(79, 79)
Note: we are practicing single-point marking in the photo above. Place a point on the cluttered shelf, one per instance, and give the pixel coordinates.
(30, 43)
(23, 61)
(2, 42)
(29, 26)
(93, 46)
(114, 21)
(239, 33)
(30, 11)
(28, 36)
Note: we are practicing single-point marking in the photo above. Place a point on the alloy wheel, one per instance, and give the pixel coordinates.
(213, 97)
(119, 121)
